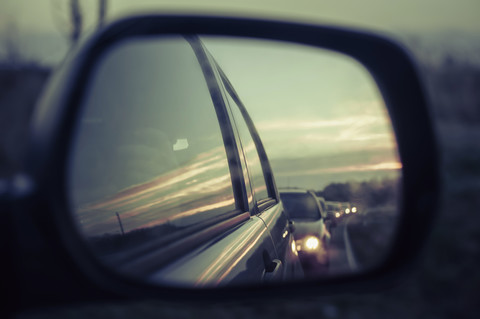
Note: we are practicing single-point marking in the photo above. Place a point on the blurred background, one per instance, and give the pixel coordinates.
(443, 37)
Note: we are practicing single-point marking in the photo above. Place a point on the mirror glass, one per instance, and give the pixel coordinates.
(211, 161)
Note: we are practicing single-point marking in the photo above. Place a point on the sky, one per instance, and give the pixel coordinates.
(40, 28)
(310, 106)
(313, 116)
(46, 15)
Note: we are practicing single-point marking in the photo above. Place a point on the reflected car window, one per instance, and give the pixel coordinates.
(254, 166)
(149, 156)
(300, 206)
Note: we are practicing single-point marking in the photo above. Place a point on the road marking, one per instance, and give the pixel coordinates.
(348, 248)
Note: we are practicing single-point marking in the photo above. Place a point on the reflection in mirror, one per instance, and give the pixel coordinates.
(325, 128)
(169, 182)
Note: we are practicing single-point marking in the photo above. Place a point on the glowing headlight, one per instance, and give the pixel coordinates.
(354, 210)
(347, 211)
(311, 243)
(294, 248)
(337, 214)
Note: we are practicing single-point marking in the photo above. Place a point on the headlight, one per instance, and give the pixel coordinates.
(347, 211)
(354, 210)
(337, 214)
(294, 248)
(311, 243)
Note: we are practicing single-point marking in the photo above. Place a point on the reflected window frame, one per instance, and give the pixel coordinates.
(233, 98)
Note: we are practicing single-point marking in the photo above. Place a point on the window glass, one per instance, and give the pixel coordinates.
(254, 165)
(149, 157)
(300, 206)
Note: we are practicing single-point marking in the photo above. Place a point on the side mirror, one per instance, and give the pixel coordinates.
(126, 213)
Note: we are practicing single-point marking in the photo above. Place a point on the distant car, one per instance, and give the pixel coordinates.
(176, 173)
(354, 208)
(346, 208)
(311, 235)
(334, 210)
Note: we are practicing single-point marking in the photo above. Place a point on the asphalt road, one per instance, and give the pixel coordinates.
(342, 259)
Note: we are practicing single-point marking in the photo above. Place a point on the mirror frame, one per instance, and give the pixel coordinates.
(68, 263)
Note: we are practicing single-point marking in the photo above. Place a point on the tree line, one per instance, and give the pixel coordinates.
(372, 193)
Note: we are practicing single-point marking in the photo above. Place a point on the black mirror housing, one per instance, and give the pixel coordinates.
(38, 214)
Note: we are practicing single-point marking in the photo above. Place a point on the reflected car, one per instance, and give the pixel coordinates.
(311, 235)
(353, 208)
(346, 208)
(334, 210)
(184, 180)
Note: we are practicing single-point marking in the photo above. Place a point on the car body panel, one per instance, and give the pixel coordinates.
(277, 223)
(240, 256)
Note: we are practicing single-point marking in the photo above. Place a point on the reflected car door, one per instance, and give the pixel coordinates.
(264, 199)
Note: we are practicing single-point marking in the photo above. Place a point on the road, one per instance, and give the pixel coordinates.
(362, 240)
(359, 241)
(342, 259)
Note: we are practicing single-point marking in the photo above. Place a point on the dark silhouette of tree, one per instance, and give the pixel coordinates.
(371, 193)
(340, 192)
(102, 12)
(10, 43)
(76, 17)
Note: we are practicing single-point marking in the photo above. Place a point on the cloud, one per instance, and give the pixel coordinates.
(343, 169)
(355, 114)
(311, 136)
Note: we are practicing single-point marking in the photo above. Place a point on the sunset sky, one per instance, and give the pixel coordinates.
(319, 113)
